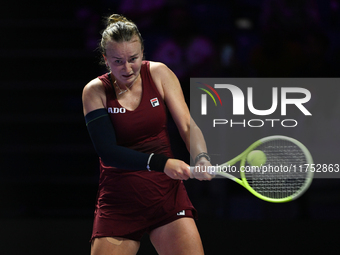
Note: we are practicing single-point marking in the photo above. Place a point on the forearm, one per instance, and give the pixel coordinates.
(194, 140)
(197, 142)
(198, 152)
(104, 140)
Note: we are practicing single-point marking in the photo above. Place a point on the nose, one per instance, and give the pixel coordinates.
(127, 67)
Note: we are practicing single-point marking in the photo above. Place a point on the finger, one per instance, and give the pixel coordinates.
(208, 176)
(205, 177)
(186, 171)
(179, 176)
(185, 177)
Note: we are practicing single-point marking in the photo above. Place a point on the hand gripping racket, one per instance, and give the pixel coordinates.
(275, 168)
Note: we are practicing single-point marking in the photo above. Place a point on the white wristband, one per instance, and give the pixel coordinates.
(147, 166)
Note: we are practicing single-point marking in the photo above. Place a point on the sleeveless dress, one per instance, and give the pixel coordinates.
(131, 203)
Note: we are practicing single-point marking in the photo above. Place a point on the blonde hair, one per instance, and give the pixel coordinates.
(119, 29)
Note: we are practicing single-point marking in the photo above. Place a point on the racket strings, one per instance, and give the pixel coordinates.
(284, 172)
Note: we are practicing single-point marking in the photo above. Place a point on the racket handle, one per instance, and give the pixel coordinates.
(210, 170)
(191, 168)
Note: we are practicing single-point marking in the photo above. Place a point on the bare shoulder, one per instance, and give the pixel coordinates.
(159, 69)
(94, 86)
(163, 77)
(93, 95)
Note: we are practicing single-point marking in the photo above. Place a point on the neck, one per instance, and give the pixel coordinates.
(121, 89)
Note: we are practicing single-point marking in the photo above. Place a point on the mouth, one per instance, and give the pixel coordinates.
(127, 76)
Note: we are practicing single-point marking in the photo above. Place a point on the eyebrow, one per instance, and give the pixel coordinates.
(134, 55)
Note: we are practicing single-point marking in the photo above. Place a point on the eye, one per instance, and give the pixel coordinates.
(133, 59)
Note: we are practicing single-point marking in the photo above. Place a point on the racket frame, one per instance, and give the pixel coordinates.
(243, 157)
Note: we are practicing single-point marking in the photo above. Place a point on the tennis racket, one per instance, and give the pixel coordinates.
(275, 168)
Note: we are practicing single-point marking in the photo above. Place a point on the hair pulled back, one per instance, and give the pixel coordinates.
(119, 29)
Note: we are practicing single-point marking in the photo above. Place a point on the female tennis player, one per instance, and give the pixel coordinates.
(140, 185)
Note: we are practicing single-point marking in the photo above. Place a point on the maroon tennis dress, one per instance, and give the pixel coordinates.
(131, 203)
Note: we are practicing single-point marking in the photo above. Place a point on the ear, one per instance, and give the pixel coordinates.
(107, 65)
(105, 59)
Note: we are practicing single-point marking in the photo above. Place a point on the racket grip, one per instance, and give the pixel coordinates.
(191, 168)
(210, 170)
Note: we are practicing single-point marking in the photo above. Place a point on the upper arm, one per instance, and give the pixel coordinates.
(93, 96)
(171, 91)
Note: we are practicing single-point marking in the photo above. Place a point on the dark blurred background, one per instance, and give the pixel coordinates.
(48, 168)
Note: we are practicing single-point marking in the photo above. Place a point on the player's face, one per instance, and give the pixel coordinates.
(124, 60)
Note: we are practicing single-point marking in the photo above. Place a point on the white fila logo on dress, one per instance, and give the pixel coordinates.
(181, 213)
(154, 102)
(116, 110)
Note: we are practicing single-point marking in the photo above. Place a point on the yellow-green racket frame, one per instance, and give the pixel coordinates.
(243, 181)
